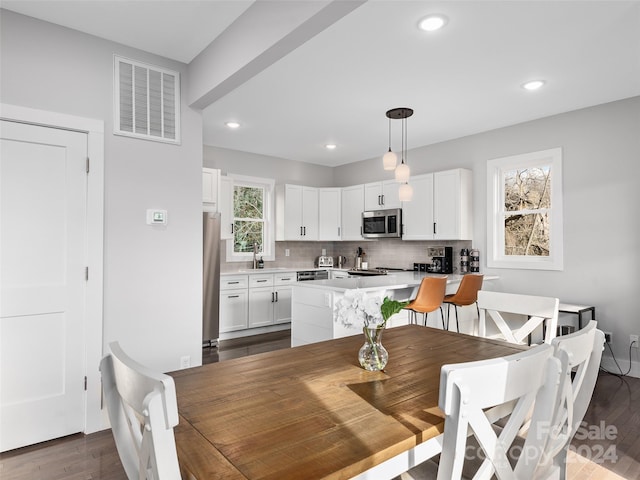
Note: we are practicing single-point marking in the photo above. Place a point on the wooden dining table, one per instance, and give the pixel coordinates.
(311, 412)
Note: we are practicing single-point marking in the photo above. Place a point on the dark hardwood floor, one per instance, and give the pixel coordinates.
(609, 438)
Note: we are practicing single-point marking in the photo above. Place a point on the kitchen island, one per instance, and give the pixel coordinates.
(312, 310)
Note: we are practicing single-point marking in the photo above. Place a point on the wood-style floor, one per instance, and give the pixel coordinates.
(606, 448)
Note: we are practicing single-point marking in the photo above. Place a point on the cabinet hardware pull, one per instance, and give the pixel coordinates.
(338, 231)
(434, 227)
(382, 199)
(272, 297)
(285, 279)
(232, 283)
(305, 231)
(232, 228)
(276, 296)
(233, 296)
(300, 231)
(260, 281)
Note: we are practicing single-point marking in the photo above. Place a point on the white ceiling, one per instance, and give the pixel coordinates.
(336, 87)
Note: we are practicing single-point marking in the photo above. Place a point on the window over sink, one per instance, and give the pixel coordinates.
(253, 214)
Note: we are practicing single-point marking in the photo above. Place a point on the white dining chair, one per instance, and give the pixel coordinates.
(143, 410)
(495, 306)
(580, 354)
(526, 384)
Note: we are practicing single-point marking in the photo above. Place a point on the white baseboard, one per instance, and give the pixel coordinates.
(610, 365)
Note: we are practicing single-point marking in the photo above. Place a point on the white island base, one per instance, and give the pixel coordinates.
(312, 308)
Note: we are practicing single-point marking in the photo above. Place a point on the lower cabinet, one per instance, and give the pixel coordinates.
(234, 303)
(255, 300)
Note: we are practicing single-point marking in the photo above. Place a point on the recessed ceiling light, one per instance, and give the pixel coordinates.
(432, 23)
(533, 85)
(330, 146)
(232, 124)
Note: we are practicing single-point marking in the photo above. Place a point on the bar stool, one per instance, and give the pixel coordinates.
(467, 294)
(429, 298)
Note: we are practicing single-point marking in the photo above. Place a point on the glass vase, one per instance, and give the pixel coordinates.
(373, 356)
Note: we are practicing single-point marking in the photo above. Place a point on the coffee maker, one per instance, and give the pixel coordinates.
(441, 259)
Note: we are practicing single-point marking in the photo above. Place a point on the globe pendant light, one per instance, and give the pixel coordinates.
(390, 159)
(405, 192)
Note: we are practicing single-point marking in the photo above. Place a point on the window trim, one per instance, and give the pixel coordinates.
(268, 184)
(495, 206)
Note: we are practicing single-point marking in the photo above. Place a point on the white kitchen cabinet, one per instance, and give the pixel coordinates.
(270, 298)
(234, 303)
(333, 274)
(226, 207)
(329, 213)
(440, 208)
(417, 215)
(296, 212)
(210, 188)
(382, 195)
(351, 212)
(452, 209)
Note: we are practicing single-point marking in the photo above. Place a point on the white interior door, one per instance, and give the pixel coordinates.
(43, 189)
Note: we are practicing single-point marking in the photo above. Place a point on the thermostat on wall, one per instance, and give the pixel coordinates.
(156, 217)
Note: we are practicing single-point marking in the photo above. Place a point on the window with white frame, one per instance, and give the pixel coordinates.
(524, 211)
(253, 213)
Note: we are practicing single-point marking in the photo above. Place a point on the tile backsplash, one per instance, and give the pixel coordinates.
(391, 252)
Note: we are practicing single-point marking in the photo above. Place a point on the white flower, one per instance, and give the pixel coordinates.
(355, 307)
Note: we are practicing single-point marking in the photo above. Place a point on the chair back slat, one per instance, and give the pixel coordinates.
(468, 391)
(494, 306)
(143, 410)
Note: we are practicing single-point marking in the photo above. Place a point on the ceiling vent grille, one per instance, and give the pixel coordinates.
(147, 101)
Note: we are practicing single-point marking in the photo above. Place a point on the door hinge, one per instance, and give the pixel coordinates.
(86, 273)
(87, 164)
(85, 384)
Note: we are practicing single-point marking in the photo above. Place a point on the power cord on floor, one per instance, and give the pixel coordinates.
(616, 362)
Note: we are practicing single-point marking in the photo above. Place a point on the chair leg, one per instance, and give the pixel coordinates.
(442, 317)
(448, 313)
(455, 307)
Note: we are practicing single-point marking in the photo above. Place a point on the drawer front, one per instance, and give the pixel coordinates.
(285, 278)
(264, 280)
(234, 282)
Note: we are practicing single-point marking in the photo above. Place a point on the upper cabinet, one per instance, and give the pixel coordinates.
(452, 210)
(296, 212)
(440, 208)
(226, 207)
(329, 224)
(381, 195)
(210, 187)
(352, 208)
(417, 215)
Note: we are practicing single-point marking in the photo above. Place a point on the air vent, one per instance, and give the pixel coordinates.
(147, 101)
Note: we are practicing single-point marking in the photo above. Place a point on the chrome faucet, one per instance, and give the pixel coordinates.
(255, 252)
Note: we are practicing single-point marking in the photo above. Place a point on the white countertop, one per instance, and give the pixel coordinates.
(391, 281)
(256, 271)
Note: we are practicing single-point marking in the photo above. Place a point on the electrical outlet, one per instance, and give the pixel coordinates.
(607, 337)
(633, 341)
(185, 362)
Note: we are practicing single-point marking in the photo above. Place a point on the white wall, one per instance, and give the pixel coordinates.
(601, 154)
(152, 287)
(280, 169)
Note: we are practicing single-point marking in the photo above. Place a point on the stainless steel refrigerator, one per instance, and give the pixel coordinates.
(211, 278)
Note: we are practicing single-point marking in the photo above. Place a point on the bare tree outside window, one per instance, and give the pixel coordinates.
(249, 215)
(527, 205)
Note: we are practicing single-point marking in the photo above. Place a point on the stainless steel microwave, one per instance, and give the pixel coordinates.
(382, 223)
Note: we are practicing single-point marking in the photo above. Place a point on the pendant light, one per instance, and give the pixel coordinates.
(405, 193)
(402, 171)
(390, 159)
